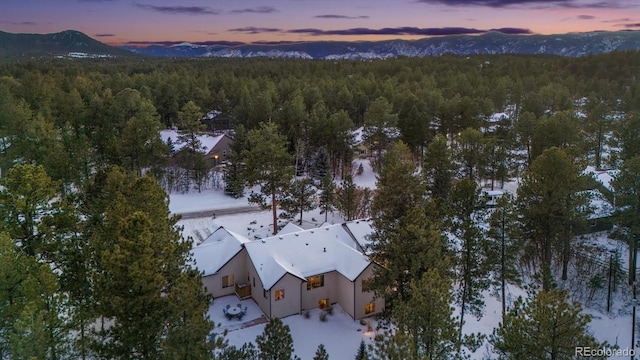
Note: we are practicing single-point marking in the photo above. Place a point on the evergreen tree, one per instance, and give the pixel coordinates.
(327, 198)
(505, 245)
(379, 127)
(469, 152)
(427, 317)
(269, 165)
(321, 353)
(551, 207)
(391, 345)
(31, 308)
(546, 326)
(472, 267)
(627, 197)
(401, 227)
(346, 198)
(140, 145)
(151, 301)
(597, 125)
(439, 169)
(192, 153)
(28, 203)
(320, 164)
(300, 196)
(362, 353)
(233, 177)
(275, 342)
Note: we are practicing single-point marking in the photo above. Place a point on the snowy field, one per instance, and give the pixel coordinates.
(340, 334)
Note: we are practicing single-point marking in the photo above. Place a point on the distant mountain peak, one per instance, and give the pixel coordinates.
(61, 43)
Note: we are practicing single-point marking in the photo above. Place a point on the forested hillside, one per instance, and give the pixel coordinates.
(92, 264)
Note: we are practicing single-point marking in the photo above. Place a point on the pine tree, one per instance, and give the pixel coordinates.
(300, 196)
(152, 301)
(233, 177)
(391, 345)
(275, 342)
(546, 326)
(472, 267)
(439, 169)
(505, 247)
(31, 307)
(362, 353)
(321, 353)
(401, 227)
(320, 164)
(469, 152)
(379, 127)
(551, 207)
(269, 165)
(346, 198)
(28, 202)
(427, 317)
(327, 197)
(141, 146)
(627, 197)
(192, 154)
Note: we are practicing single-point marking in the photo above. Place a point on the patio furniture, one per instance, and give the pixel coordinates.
(234, 311)
(226, 314)
(228, 306)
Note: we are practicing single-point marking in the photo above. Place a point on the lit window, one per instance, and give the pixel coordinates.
(279, 294)
(227, 281)
(323, 303)
(315, 282)
(366, 285)
(369, 308)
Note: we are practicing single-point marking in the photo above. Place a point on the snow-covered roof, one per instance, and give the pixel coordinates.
(208, 142)
(290, 228)
(361, 229)
(307, 253)
(496, 117)
(600, 207)
(357, 136)
(217, 249)
(602, 176)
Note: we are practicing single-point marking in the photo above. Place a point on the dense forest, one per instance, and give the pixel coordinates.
(92, 264)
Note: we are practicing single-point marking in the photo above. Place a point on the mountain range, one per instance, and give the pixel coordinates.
(76, 44)
(573, 44)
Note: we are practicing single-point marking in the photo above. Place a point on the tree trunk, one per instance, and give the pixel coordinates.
(273, 210)
(502, 264)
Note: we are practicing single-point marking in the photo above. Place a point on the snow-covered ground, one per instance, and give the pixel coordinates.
(341, 335)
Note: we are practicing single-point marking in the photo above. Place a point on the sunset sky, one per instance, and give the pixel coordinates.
(140, 22)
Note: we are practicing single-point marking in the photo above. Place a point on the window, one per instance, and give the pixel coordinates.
(315, 282)
(264, 293)
(323, 303)
(366, 285)
(227, 281)
(254, 282)
(369, 308)
(279, 294)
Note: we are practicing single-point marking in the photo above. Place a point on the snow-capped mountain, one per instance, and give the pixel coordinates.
(574, 44)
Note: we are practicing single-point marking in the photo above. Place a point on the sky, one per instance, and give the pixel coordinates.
(142, 22)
